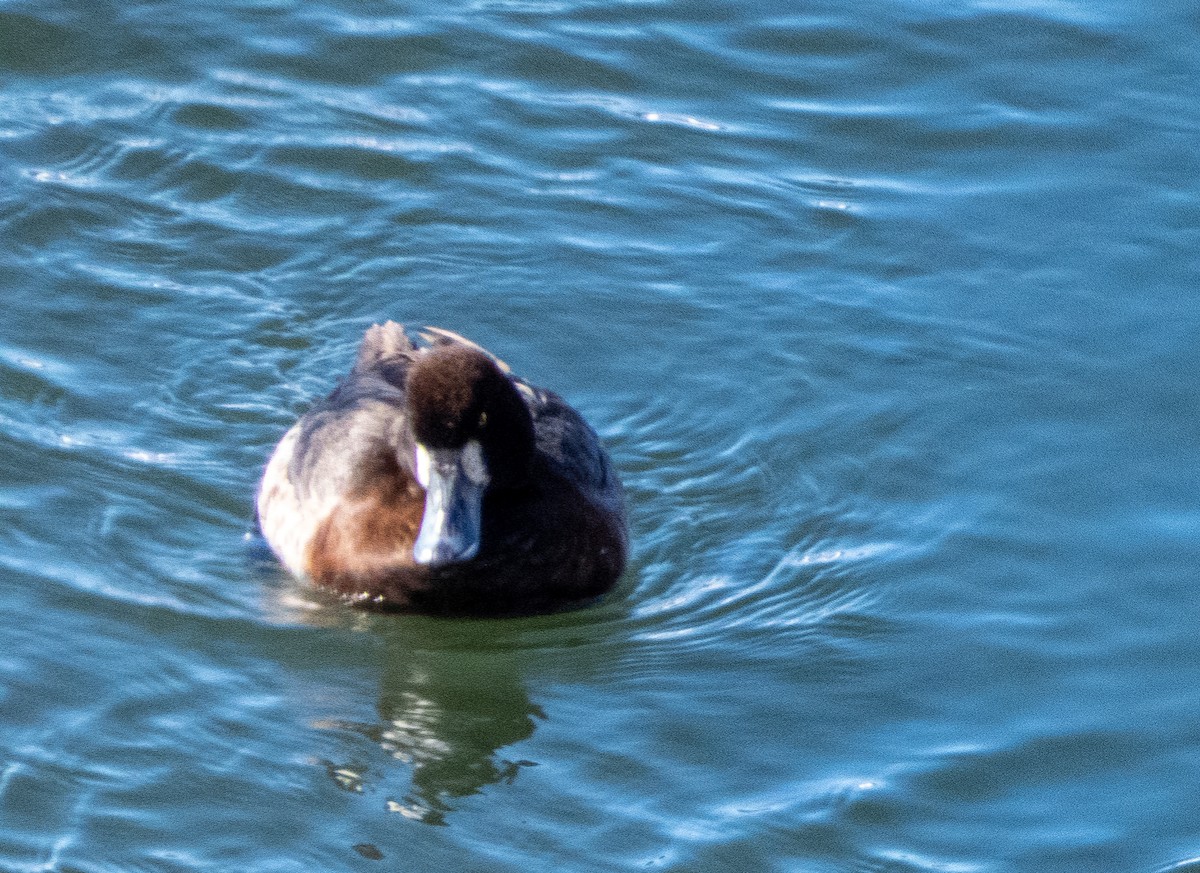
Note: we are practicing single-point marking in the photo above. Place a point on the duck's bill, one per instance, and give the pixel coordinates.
(450, 527)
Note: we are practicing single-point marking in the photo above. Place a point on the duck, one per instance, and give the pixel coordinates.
(434, 480)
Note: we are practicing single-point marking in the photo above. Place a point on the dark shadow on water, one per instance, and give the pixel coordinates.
(449, 703)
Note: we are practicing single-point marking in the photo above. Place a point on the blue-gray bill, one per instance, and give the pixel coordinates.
(454, 482)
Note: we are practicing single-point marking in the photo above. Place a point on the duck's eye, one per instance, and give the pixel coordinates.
(482, 420)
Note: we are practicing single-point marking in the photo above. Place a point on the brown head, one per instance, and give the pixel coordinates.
(472, 432)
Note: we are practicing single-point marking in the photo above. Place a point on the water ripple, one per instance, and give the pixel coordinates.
(887, 317)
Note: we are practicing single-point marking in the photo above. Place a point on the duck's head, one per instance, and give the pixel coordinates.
(472, 432)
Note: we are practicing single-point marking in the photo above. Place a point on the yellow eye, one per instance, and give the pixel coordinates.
(482, 419)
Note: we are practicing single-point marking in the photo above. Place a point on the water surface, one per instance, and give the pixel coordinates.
(886, 311)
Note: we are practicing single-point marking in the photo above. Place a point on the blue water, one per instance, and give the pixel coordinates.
(887, 313)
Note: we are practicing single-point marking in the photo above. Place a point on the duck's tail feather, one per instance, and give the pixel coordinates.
(388, 341)
(382, 342)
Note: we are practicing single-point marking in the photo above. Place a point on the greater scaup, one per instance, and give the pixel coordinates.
(434, 480)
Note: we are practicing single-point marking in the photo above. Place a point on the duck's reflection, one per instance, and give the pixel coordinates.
(446, 711)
